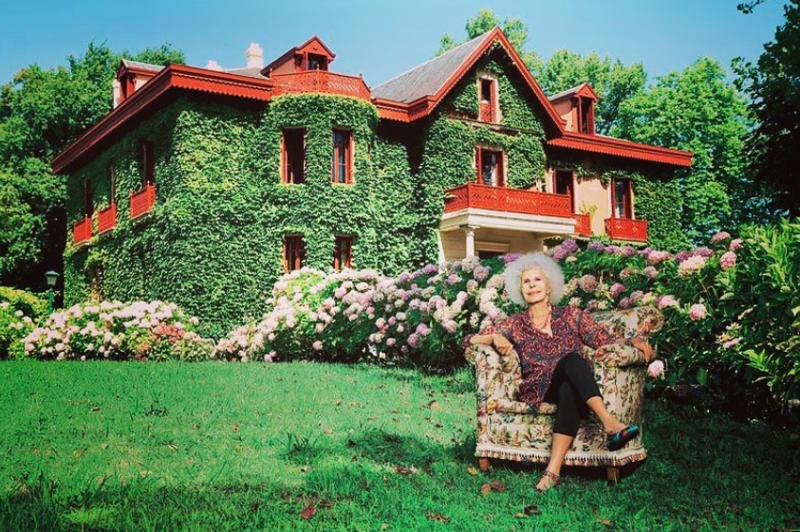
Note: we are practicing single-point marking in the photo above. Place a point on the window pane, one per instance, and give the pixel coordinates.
(620, 194)
(489, 166)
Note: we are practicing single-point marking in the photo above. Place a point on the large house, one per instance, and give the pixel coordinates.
(203, 185)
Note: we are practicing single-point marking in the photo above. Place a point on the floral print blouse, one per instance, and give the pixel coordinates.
(539, 353)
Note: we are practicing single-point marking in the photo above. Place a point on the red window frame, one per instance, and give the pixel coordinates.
(342, 157)
(498, 164)
(293, 253)
(585, 116)
(565, 174)
(291, 160)
(148, 162)
(343, 253)
(627, 199)
(487, 107)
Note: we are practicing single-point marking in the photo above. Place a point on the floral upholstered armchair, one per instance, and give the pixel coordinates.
(508, 430)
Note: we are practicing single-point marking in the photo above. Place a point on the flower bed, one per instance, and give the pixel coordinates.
(118, 331)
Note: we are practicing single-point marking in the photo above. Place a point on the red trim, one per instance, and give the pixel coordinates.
(348, 177)
(142, 201)
(583, 224)
(107, 219)
(82, 230)
(584, 90)
(621, 148)
(289, 54)
(506, 200)
(173, 76)
(626, 229)
(293, 253)
(343, 248)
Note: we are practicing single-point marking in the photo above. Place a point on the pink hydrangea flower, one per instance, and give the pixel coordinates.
(731, 343)
(727, 260)
(697, 311)
(588, 283)
(655, 369)
(617, 289)
(317, 345)
(736, 244)
(719, 237)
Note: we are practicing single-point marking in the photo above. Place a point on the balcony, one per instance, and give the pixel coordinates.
(583, 224)
(142, 201)
(82, 231)
(321, 81)
(627, 229)
(107, 219)
(472, 196)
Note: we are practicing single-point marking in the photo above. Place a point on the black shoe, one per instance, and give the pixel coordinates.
(620, 439)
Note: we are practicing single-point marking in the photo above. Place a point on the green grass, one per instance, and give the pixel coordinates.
(211, 446)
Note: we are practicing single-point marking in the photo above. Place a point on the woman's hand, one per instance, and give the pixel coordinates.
(644, 348)
(501, 344)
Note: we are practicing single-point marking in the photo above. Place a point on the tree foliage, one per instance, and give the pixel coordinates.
(773, 85)
(41, 112)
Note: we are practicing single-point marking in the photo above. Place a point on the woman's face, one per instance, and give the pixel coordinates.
(534, 286)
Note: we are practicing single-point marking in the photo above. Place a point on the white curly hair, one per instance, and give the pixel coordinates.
(550, 269)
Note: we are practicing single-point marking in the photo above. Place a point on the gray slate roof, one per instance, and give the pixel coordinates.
(566, 92)
(427, 78)
(250, 72)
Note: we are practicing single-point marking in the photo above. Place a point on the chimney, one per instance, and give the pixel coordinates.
(255, 56)
(213, 65)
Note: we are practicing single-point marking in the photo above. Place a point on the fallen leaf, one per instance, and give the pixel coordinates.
(195, 426)
(351, 443)
(103, 445)
(437, 517)
(495, 485)
(472, 471)
(235, 427)
(606, 522)
(486, 489)
(354, 458)
(326, 503)
(402, 470)
(308, 512)
(95, 409)
(384, 526)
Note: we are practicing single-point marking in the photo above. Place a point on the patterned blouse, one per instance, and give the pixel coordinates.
(539, 353)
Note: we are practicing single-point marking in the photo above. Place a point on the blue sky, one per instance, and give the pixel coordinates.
(382, 38)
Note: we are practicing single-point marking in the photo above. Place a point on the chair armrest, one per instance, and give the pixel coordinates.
(620, 356)
(498, 378)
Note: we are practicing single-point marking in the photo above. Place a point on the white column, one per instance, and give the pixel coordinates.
(469, 231)
(440, 242)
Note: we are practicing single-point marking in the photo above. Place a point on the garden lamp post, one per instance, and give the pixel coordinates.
(51, 278)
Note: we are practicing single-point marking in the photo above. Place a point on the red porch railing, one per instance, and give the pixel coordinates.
(486, 112)
(321, 81)
(82, 230)
(627, 229)
(583, 225)
(143, 200)
(507, 200)
(107, 219)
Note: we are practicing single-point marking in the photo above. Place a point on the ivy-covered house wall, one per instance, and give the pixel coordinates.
(213, 242)
(453, 132)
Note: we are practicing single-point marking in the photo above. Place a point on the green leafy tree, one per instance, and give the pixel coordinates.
(699, 111)
(613, 81)
(485, 20)
(773, 85)
(41, 112)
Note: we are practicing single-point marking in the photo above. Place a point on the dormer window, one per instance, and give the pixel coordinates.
(586, 116)
(317, 62)
(488, 100)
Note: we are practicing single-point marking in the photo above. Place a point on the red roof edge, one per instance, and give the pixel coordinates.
(173, 76)
(622, 148)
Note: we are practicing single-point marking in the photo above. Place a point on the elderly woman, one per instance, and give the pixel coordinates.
(548, 340)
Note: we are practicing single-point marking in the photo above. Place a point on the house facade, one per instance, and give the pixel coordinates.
(203, 185)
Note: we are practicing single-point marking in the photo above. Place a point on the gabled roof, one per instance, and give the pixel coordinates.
(314, 43)
(427, 78)
(584, 89)
(141, 66)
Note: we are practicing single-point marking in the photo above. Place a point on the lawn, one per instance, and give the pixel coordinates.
(311, 446)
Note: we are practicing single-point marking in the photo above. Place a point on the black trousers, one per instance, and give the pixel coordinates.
(572, 385)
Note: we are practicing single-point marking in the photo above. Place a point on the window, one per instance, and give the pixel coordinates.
(294, 156)
(147, 162)
(343, 253)
(486, 254)
(112, 182)
(488, 104)
(565, 184)
(293, 253)
(622, 204)
(342, 156)
(586, 115)
(490, 167)
(88, 200)
(317, 62)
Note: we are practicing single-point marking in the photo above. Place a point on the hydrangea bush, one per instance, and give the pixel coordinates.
(14, 326)
(118, 331)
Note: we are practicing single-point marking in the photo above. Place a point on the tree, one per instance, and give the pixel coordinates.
(773, 85)
(699, 111)
(613, 81)
(41, 111)
(486, 20)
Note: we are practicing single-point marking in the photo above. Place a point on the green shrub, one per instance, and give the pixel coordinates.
(14, 326)
(30, 304)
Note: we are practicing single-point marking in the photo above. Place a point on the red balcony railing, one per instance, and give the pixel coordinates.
(82, 231)
(627, 229)
(486, 112)
(583, 224)
(107, 219)
(507, 200)
(321, 81)
(142, 201)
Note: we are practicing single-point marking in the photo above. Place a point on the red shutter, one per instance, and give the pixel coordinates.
(478, 166)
